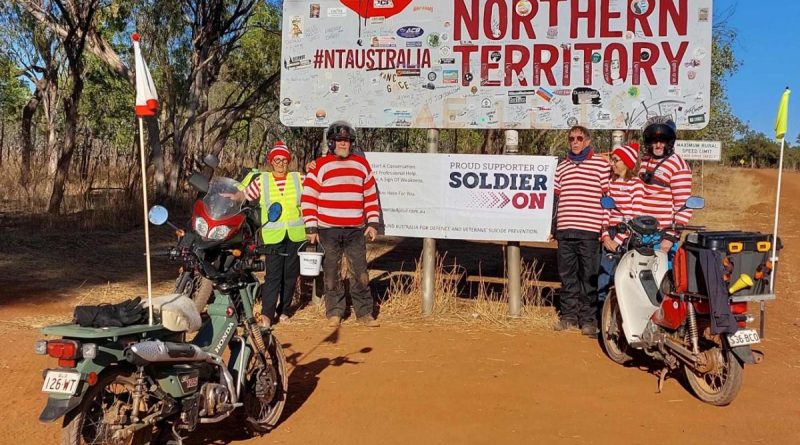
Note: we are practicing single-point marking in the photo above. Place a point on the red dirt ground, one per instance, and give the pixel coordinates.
(412, 383)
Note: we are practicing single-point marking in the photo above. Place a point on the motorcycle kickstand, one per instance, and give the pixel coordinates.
(662, 376)
(177, 439)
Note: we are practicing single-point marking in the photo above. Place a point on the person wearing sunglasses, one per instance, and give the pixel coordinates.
(627, 189)
(667, 179)
(581, 179)
(286, 234)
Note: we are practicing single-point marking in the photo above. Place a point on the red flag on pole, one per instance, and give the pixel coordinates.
(146, 96)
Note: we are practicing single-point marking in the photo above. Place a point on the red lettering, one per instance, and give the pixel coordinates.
(330, 62)
(622, 59)
(680, 20)
(528, 200)
(605, 20)
(588, 49)
(488, 14)
(520, 201)
(553, 15)
(518, 21)
(577, 15)
(390, 59)
(426, 58)
(515, 67)
(465, 51)
(674, 60)
(566, 66)
(539, 64)
(487, 64)
(350, 63)
(467, 19)
(642, 19)
(640, 65)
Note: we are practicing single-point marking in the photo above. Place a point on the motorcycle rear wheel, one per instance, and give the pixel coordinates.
(721, 386)
(611, 335)
(262, 416)
(88, 423)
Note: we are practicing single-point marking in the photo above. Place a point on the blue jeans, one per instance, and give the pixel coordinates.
(605, 278)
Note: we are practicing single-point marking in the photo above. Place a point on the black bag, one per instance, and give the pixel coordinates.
(127, 313)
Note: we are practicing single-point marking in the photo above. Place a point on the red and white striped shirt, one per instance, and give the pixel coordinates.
(628, 196)
(340, 193)
(669, 190)
(579, 188)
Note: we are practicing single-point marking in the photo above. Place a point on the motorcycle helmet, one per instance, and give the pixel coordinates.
(660, 129)
(340, 131)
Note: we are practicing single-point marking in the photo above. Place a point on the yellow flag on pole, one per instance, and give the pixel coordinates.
(783, 115)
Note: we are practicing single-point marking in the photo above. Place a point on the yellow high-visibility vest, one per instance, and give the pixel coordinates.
(291, 220)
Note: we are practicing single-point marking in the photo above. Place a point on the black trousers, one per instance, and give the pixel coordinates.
(339, 242)
(578, 266)
(280, 279)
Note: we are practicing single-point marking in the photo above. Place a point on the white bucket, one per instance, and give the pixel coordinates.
(310, 262)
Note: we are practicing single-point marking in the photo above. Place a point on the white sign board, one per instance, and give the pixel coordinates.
(604, 64)
(699, 150)
(469, 197)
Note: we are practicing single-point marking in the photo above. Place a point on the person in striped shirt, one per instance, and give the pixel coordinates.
(581, 179)
(667, 179)
(285, 234)
(341, 210)
(627, 189)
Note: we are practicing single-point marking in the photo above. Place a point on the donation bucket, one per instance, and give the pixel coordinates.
(310, 262)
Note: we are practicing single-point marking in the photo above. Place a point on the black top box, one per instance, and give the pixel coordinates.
(720, 240)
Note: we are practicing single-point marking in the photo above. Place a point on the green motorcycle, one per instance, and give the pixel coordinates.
(141, 384)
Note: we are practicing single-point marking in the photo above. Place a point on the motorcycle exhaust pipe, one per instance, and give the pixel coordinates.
(156, 351)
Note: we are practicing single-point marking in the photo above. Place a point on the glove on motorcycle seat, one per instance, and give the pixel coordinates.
(126, 313)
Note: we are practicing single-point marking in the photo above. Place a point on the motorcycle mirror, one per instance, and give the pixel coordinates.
(274, 212)
(695, 203)
(211, 160)
(607, 203)
(199, 182)
(157, 215)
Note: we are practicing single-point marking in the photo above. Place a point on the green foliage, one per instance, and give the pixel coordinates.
(13, 92)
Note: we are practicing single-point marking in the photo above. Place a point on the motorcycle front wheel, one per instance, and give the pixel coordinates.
(611, 335)
(721, 384)
(104, 410)
(265, 390)
(196, 287)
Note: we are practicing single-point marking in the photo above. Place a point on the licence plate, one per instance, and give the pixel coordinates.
(59, 382)
(744, 337)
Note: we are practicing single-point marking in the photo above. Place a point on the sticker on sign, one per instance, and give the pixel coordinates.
(699, 150)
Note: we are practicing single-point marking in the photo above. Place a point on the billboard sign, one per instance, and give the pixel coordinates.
(604, 64)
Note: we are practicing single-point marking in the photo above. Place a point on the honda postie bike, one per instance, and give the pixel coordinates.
(666, 312)
(142, 383)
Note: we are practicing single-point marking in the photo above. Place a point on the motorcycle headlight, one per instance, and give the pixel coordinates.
(200, 226)
(219, 233)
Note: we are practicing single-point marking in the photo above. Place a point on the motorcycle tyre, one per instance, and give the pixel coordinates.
(730, 388)
(73, 421)
(265, 425)
(197, 287)
(619, 351)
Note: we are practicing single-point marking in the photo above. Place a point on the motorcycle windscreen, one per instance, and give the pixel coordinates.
(223, 199)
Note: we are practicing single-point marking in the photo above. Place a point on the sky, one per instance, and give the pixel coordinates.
(768, 48)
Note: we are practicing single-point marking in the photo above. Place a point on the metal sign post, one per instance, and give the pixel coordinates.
(429, 246)
(513, 259)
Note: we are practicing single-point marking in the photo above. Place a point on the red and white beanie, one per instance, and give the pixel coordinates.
(279, 149)
(629, 154)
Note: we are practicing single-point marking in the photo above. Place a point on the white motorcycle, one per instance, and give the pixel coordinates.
(667, 314)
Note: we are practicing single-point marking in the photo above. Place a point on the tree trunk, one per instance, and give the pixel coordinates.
(71, 104)
(27, 138)
(156, 157)
(2, 139)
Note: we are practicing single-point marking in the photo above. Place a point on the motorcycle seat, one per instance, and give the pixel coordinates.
(176, 312)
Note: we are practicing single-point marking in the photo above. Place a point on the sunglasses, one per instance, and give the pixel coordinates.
(615, 159)
(280, 161)
(576, 138)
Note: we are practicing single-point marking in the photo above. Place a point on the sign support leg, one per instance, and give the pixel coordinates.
(513, 258)
(429, 246)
